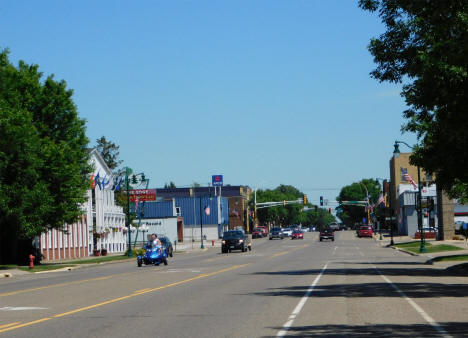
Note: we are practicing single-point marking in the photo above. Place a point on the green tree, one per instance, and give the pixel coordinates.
(280, 215)
(109, 151)
(351, 214)
(44, 169)
(171, 185)
(426, 47)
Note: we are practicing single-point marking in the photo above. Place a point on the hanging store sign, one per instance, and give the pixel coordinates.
(142, 195)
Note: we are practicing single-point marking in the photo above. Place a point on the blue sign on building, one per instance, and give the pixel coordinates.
(217, 180)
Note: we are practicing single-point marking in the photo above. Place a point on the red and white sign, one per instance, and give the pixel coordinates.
(142, 195)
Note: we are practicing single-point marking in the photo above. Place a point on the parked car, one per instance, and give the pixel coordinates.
(257, 233)
(366, 231)
(166, 243)
(297, 234)
(287, 232)
(235, 240)
(276, 233)
(327, 234)
(264, 229)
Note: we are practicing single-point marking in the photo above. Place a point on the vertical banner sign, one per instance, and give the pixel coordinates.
(217, 180)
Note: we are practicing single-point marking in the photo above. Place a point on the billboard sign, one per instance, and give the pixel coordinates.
(217, 180)
(142, 195)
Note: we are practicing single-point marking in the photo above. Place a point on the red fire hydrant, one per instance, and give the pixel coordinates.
(31, 261)
(212, 242)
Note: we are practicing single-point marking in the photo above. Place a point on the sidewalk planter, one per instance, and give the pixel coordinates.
(103, 252)
(97, 252)
(427, 235)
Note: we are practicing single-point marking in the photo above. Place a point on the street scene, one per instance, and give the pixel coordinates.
(234, 169)
(349, 287)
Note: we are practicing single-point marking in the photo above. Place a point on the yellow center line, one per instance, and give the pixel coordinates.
(110, 301)
(280, 253)
(6, 325)
(142, 290)
(61, 284)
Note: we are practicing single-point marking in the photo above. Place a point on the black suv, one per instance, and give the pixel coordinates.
(166, 243)
(327, 234)
(235, 240)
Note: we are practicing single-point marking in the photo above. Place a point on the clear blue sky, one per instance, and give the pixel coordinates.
(263, 92)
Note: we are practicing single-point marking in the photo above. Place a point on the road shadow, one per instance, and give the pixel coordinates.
(411, 272)
(455, 329)
(385, 263)
(366, 290)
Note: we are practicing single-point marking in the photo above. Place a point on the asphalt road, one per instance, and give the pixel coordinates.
(349, 287)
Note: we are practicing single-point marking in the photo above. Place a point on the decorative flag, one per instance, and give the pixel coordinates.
(380, 200)
(109, 182)
(104, 182)
(117, 188)
(235, 212)
(408, 178)
(97, 180)
(137, 200)
(91, 181)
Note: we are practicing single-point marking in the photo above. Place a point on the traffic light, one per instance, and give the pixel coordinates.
(304, 199)
(321, 201)
(134, 179)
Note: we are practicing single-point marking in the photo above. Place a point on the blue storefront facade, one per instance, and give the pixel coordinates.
(213, 211)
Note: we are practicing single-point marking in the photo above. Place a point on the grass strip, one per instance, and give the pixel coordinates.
(430, 248)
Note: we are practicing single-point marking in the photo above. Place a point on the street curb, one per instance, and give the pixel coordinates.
(404, 251)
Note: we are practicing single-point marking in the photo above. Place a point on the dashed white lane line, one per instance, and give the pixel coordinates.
(418, 309)
(300, 305)
(334, 250)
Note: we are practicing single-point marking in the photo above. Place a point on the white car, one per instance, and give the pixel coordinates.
(287, 232)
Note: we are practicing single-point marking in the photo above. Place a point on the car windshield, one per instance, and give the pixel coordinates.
(233, 234)
(286, 229)
(327, 230)
(297, 232)
(366, 228)
(276, 229)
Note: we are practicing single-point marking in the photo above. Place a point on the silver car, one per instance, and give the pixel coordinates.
(287, 232)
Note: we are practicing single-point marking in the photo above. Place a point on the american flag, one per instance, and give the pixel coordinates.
(408, 178)
(235, 213)
(380, 200)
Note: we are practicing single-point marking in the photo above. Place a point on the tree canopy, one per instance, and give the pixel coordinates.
(351, 214)
(109, 151)
(291, 213)
(425, 46)
(44, 167)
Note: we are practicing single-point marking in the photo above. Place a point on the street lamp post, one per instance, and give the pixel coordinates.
(382, 192)
(201, 224)
(367, 202)
(128, 172)
(396, 153)
(127, 183)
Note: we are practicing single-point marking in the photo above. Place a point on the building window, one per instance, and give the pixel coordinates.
(403, 172)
